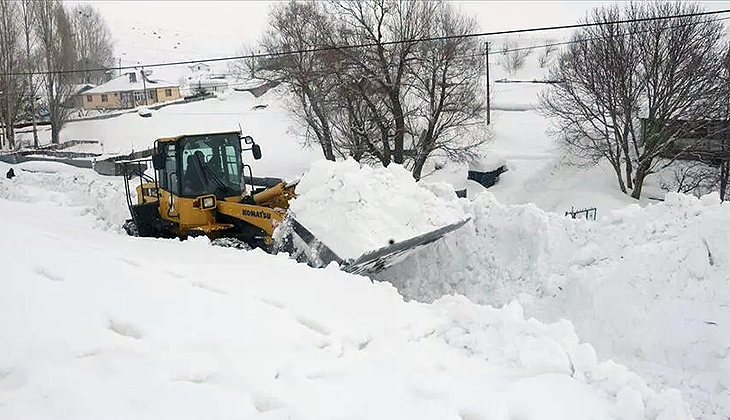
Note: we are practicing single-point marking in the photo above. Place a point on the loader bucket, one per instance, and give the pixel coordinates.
(305, 247)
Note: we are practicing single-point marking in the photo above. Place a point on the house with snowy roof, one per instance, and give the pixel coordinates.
(204, 80)
(130, 90)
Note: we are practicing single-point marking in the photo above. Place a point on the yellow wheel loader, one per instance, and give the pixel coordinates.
(200, 186)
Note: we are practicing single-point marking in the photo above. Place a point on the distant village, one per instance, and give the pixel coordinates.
(135, 88)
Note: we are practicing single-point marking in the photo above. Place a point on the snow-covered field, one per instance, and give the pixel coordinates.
(145, 328)
(494, 322)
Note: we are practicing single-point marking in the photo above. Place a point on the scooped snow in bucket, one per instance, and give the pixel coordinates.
(355, 209)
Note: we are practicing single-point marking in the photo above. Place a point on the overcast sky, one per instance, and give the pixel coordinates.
(154, 31)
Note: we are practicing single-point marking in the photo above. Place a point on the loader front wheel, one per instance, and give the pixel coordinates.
(131, 228)
(230, 243)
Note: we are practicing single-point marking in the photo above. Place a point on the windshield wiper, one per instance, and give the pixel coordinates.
(221, 185)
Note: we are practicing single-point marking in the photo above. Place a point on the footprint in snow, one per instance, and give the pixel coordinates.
(194, 378)
(264, 403)
(273, 303)
(89, 353)
(130, 262)
(204, 286)
(126, 329)
(313, 325)
(44, 272)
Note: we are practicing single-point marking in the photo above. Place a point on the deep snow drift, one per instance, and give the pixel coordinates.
(97, 324)
(355, 208)
(649, 287)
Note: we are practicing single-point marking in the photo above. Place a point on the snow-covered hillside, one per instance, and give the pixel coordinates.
(264, 118)
(145, 328)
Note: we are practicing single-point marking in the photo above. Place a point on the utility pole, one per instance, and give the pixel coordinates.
(486, 70)
(144, 86)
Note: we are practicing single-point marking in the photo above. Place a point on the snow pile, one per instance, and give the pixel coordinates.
(90, 193)
(106, 325)
(646, 286)
(355, 208)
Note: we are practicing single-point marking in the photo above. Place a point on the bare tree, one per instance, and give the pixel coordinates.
(547, 53)
(383, 66)
(94, 45)
(595, 105)
(680, 69)
(28, 18)
(297, 26)
(11, 85)
(691, 177)
(514, 56)
(613, 74)
(246, 68)
(723, 93)
(446, 80)
(368, 101)
(56, 41)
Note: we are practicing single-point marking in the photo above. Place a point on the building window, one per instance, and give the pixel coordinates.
(139, 96)
(104, 98)
(89, 98)
(168, 92)
(151, 94)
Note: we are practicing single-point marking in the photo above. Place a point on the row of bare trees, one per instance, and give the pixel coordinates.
(394, 100)
(41, 45)
(621, 87)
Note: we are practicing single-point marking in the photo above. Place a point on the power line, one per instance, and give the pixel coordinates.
(575, 41)
(375, 44)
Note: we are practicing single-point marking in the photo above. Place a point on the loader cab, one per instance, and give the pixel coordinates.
(194, 165)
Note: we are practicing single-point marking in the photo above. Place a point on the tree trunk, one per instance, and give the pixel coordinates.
(628, 166)
(400, 129)
(641, 172)
(54, 133)
(27, 29)
(32, 98)
(724, 178)
(620, 178)
(10, 136)
(9, 129)
(418, 167)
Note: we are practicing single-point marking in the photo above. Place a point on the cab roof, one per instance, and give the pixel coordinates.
(182, 136)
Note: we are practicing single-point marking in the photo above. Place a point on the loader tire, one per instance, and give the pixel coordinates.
(131, 228)
(231, 243)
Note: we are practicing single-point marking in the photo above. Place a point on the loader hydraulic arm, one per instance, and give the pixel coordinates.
(277, 196)
(267, 211)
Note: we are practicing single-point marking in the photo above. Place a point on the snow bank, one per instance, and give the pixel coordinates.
(100, 197)
(152, 329)
(355, 208)
(646, 286)
(146, 328)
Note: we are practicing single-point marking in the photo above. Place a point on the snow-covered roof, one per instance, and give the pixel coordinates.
(124, 83)
(76, 89)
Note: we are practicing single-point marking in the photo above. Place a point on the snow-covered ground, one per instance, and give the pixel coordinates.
(161, 329)
(271, 127)
(145, 328)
